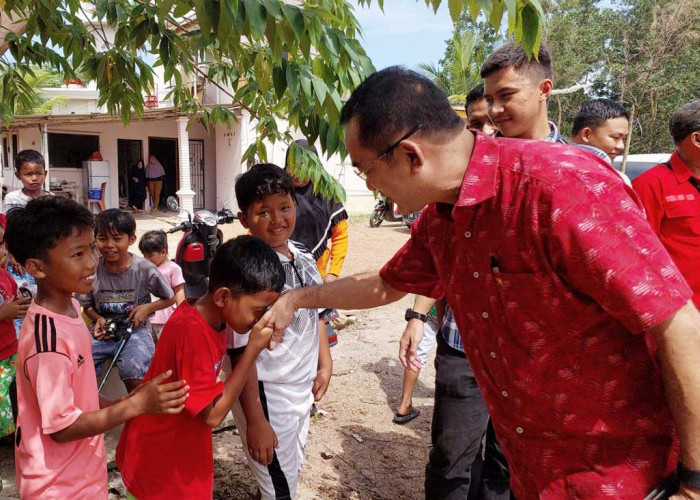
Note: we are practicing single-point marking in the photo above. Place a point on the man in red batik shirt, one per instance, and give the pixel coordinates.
(670, 193)
(554, 277)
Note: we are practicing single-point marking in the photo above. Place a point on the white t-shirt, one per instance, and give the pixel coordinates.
(295, 360)
(17, 198)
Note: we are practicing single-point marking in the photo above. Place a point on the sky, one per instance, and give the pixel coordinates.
(407, 33)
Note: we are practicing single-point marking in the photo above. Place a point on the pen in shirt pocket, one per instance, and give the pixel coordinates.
(496, 270)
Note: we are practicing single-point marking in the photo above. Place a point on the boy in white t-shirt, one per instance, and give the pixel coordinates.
(154, 246)
(30, 169)
(273, 411)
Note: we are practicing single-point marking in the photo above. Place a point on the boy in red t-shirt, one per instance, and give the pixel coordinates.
(11, 307)
(172, 457)
(59, 447)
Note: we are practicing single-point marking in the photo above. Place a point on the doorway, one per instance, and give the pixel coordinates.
(129, 152)
(165, 151)
(197, 171)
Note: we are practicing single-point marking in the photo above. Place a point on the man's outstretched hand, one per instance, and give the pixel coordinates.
(281, 315)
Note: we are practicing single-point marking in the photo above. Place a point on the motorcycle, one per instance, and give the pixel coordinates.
(384, 210)
(197, 246)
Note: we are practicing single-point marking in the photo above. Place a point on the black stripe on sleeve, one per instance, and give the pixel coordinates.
(44, 334)
(37, 338)
(53, 335)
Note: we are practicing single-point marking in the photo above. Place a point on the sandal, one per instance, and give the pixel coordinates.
(404, 419)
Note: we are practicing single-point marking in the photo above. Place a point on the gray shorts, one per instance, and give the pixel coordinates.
(429, 340)
(135, 358)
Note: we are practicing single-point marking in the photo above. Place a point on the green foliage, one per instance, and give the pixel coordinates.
(274, 59)
(458, 71)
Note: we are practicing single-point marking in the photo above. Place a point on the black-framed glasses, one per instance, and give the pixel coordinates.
(362, 174)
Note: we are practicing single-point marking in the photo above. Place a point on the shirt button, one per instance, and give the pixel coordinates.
(476, 275)
(504, 394)
(493, 354)
(484, 315)
(519, 430)
(467, 234)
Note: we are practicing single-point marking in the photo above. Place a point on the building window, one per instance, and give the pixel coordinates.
(71, 150)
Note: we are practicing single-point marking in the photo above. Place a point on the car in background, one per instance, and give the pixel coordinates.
(638, 164)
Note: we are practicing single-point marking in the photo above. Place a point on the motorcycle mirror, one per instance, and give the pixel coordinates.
(172, 204)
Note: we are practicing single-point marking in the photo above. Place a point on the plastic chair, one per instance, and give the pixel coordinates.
(100, 202)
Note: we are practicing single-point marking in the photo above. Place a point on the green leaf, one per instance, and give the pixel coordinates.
(456, 7)
(182, 9)
(532, 32)
(295, 18)
(256, 14)
(278, 79)
(497, 12)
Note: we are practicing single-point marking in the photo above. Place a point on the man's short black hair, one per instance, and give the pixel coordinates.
(246, 265)
(392, 101)
(261, 181)
(35, 229)
(685, 121)
(596, 112)
(29, 156)
(475, 95)
(115, 221)
(153, 241)
(513, 55)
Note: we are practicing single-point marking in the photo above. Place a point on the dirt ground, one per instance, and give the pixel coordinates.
(354, 450)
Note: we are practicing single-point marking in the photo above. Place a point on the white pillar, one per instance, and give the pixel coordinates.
(228, 164)
(45, 153)
(185, 193)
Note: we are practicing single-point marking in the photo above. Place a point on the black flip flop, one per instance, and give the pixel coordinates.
(404, 419)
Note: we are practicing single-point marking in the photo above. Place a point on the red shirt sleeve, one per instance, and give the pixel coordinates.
(197, 366)
(412, 269)
(606, 249)
(648, 188)
(51, 375)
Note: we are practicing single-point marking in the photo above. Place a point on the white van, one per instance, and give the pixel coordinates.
(637, 164)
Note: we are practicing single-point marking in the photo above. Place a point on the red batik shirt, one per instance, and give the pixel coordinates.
(672, 204)
(553, 273)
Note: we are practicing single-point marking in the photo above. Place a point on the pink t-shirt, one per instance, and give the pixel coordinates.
(56, 383)
(173, 275)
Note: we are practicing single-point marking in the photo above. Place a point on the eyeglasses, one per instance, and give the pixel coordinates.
(362, 174)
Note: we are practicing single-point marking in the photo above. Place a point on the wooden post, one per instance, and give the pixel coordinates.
(623, 166)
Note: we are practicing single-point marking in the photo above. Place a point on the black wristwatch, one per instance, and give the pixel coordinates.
(688, 477)
(411, 314)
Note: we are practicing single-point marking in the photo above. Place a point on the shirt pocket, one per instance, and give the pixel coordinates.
(682, 219)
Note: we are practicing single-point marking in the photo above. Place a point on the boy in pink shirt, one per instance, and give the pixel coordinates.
(154, 246)
(59, 447)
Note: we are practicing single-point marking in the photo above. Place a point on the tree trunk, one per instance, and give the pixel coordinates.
(623, 166)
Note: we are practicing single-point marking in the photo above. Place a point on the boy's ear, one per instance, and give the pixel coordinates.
(132, 239)
(35, 267)
(221, 295)
(243, 219)
(17, 175)
(546, 87)
(586, 133)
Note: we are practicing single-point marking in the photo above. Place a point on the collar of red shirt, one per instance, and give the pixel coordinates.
(479, 182)
(680, 169)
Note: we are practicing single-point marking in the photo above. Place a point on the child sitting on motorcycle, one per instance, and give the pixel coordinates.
(123, 286)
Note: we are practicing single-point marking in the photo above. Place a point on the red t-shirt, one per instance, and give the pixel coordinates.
(552, 271)
(170, 456)
(672, 204)
(8, 335)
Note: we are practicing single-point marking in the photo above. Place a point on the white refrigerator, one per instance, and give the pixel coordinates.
(94, 174)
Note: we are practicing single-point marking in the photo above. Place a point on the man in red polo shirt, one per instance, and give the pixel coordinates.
(670, 193)
(553, 276)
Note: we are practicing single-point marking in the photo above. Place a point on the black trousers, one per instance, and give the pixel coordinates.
(456, 469)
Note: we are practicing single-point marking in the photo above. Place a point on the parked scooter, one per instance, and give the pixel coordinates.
(384, 210)
(197, 246)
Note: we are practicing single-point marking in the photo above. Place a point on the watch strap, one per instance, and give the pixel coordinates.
(411, 314)
(688, 477)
